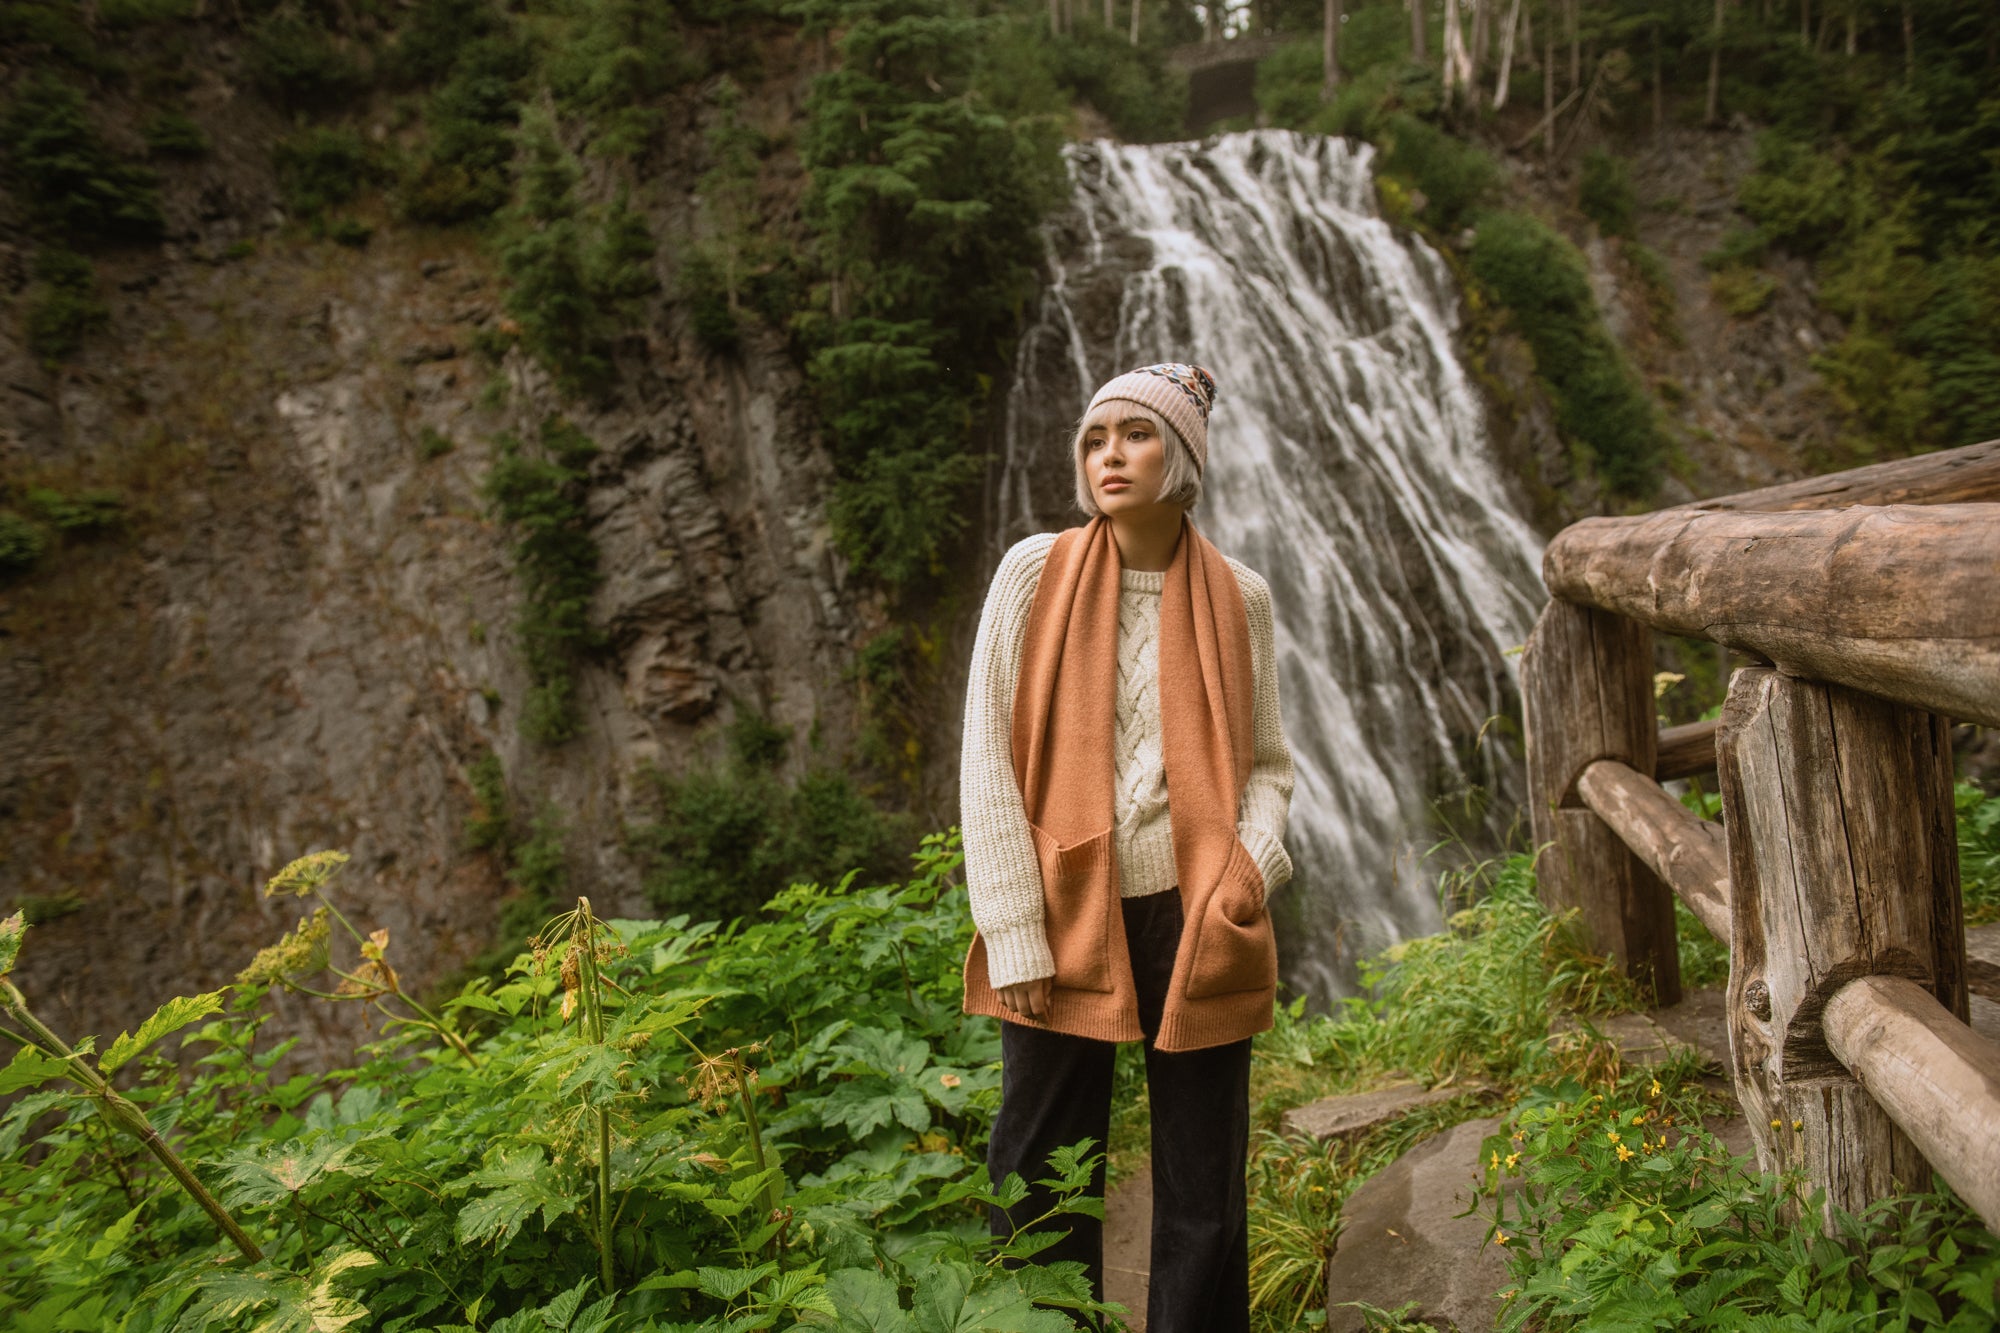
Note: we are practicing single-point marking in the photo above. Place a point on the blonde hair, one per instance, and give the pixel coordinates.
(1180, 483)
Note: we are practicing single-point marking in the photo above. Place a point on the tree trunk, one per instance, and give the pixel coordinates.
(1575, 45)
(1909, 43)
(1211, 25)
(1135, 21)
(1500, 84)
(1110, 13)
(1457, 65)
(1659, 97)
(1528, 33)
(1417, 52)
(1055, 18)
(1715, 70)
(1805, 20)
(1549, 96)
(1850, 29)
(1330, 52)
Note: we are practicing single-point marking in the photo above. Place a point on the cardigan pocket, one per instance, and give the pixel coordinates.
(1078, 897)
(1234, 949)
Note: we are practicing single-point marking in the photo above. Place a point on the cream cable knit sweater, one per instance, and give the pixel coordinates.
(1003, 877)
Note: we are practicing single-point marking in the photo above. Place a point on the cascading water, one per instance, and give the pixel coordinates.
(1349, 464)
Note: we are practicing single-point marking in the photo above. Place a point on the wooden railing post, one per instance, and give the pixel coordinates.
(1587, 694)
(1843, 864)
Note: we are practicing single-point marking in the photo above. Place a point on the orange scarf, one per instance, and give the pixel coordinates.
(1064, 721)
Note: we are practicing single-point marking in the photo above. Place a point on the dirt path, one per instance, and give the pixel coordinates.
(1128, 1242)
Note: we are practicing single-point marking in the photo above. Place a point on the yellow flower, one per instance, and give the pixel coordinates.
(305, 874)
(1611, 1134)
(1777, 1124)
(1499, 1238)
(1656, 1088)
(1513, 1160)
(1495, 1163)
(1798, 1124)
(1625, 1154)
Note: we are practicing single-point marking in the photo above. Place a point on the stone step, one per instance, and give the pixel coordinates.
(1352, 1115)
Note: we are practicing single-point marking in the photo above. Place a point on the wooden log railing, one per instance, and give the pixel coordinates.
(1869, 606)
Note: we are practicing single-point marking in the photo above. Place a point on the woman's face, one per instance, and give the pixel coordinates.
(1125, 464)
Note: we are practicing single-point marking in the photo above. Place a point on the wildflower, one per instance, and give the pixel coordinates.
(300, 953)
(305, 874)
(1798, 1124)
(1777, 1124)
(1499, 1238)
(1611, 1134)
(950, 1080)
(1655, 1089)
(1495, 1163)
(1625, 1154)
(1513, 1160)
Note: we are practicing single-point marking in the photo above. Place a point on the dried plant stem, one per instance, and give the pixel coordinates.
(124, 1115)
(593, 1016)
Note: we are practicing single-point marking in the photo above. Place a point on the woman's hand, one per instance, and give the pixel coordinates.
(1027, 997)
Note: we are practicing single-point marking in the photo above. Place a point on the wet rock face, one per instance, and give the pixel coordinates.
(305, 637)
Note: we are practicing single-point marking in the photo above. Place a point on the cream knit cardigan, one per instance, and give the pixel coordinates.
(1002, 875)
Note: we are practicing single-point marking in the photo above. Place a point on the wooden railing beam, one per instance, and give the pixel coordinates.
(1685, 751)
(1969, 475)
(1679, 846)
(1937, 1078)
(1898, 601)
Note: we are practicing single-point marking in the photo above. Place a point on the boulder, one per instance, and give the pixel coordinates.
(1351, 1116)
(1401, 1241)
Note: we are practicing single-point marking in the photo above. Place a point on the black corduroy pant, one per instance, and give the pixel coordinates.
(1056, 1089)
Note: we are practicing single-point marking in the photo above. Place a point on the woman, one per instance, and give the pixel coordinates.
(1125, 785)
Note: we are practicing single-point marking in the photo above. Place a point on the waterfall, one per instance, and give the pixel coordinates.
(1349, 464)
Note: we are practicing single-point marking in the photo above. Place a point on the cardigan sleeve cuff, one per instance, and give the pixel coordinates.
(1018, 953)
(1273, 862)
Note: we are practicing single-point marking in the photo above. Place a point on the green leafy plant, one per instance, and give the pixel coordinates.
(539, 491)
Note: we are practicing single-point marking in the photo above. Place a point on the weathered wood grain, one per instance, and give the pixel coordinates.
(1679, 846)
(1950, 476)
(1900, 601)
(1830, 803)
(1587, 694)
(1685, 751)
(1937, 1079)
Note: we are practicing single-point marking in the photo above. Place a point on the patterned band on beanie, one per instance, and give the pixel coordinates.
(1181, 392)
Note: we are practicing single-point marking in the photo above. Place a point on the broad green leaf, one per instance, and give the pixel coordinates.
(28, 1068)
(172, 1016)
(864, 1301)
(525, 1185)
(726, 1284)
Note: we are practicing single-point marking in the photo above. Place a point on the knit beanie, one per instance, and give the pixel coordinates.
(1180, 392)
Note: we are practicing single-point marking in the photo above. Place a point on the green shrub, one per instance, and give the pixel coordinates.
(1979, 853)
(83, 513)
(22, 544)
(62, 304)
(133, 13)
(56, 26)
(1605, 194)
(540, 493)
(320, 169)
(1456, 177)
(435, 33)
(489, 827)
(618, 59)
(725, 838)
(69, 182)
(174, 134)
(433, 443)
(462, 173)
(1539, 276)
(1742, 291)
(297, 63)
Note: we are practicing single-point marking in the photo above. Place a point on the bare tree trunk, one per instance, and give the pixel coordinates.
(1805, 20)
(1055, 17)
(1528, 33)
(1211, 23)
(1825, 29)
(1715, 69)
(1501, 84)
(1549, 96)
(1575, 45)
(1330, 52)
(1457, 64)
(1110, 13)
(1909, 43)
(1659, 97)
(1135, 21)
(1850, 29)
(1417, 52)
